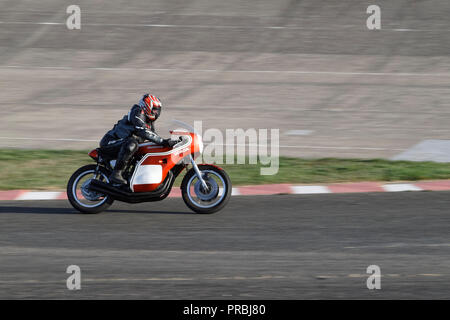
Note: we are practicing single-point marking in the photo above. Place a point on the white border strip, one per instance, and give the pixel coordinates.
(235, 192)
(399, 187)
(392, 187)
(309, 189)
(39, 196)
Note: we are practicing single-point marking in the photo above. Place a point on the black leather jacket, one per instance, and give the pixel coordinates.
(135, 123)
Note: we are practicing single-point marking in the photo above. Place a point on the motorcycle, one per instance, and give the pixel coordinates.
(151, 174)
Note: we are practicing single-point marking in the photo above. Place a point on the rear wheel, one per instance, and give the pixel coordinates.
(214, 198)
(81, 197)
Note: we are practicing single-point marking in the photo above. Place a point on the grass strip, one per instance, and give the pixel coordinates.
(51, 169)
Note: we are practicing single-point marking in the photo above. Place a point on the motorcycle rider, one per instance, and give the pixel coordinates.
(132, 129)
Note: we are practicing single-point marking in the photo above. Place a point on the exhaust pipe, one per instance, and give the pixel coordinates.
(132, 197)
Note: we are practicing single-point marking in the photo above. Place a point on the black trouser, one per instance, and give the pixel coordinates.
(111, 145)
(124, 149)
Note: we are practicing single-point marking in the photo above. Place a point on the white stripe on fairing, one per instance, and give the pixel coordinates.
(39, 196)
(400, 187)
(309, 189)
(339, 73)
(235, 192)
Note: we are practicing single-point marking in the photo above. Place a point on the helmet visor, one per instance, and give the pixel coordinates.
(156, 112)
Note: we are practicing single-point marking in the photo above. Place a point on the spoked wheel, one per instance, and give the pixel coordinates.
(210, 199)
(79, 194)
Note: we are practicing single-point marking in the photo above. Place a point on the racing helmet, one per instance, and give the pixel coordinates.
(151, 106)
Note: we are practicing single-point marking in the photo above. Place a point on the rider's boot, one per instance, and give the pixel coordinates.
(116, 176)
(124, 156)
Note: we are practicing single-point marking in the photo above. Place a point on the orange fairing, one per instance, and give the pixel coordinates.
(196, 141)
(153, 168)
(196, 146)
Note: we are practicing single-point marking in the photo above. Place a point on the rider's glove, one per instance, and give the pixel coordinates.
(169, 142)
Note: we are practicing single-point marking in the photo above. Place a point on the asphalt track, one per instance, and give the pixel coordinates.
(258, 247)
(294, 65)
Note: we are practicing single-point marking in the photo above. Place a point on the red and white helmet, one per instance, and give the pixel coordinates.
(151, 106)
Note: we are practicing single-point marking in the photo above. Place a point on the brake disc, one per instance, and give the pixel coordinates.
(211, 193)
(89, 194)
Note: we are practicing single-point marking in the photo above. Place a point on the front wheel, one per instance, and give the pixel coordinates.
(214, 198)
(79, 194)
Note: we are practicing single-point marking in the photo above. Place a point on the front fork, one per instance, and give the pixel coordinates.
(97, 169)
(199, 174)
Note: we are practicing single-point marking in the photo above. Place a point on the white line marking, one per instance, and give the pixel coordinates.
(137, 279)
(39, 196)
(309, 189)
(298, 132)
(399, 245)
(237, 144)
(240, 278)
(356, 275)
(48, 139)
(339, 73)
(263, 277)
(400, 187)
(197, 26)
(313, 147)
